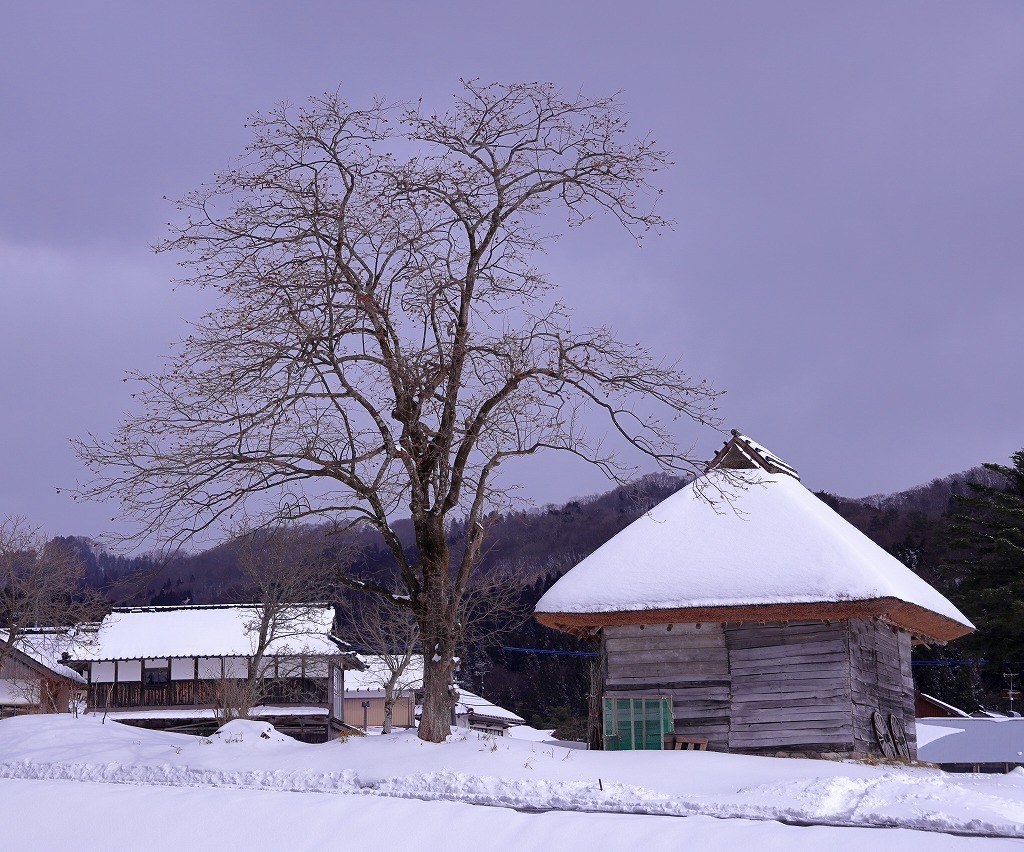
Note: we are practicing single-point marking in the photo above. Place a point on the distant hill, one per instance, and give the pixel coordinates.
(936, 497)
(911, 524)
(532, 543)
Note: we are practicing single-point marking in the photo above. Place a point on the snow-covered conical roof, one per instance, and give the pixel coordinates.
(739, 545)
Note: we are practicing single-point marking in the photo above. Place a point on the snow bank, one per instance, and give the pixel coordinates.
(505, 772)
(240, 820)
(971, 740)
(536, 735)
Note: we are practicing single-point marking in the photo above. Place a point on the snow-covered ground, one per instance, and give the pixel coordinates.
(86, 785)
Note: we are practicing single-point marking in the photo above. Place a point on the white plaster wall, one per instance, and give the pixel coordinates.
(129, 670)
(102, 672)
(183, 668)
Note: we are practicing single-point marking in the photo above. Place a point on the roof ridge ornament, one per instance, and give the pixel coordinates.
(741, 452)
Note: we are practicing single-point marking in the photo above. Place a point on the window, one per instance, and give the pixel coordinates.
(156, 677)
(637, 723)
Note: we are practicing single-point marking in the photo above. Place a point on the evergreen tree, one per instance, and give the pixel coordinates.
(987, 564)
(941, 671)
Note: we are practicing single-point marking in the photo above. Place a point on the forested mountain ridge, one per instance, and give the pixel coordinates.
(544, 542)
(935, 497)
(532, 543)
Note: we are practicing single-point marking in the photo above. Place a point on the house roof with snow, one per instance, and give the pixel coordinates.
(741, 452)
(377, 672)
(44, 651)
(926, 702)
(481, 709)
(229, 630)
(744, 542)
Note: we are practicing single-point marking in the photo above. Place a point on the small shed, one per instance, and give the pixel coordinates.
(929, 707)
(761, 618)
(478, 714)
(35, 677)
(364, 693)
(364, 700)
(172, 667)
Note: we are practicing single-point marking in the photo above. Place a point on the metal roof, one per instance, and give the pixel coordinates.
(971, 740)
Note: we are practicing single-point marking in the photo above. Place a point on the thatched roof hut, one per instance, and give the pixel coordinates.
(782, 600)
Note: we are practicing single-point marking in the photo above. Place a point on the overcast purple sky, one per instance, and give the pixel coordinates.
(849, 192)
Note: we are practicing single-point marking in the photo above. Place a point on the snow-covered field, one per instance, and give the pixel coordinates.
(83, 784)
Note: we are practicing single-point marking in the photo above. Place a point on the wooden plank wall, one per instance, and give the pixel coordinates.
(688, 662)
(402, 713)
(15, 669)
(769, 686)
(790, 686)
(881, 680)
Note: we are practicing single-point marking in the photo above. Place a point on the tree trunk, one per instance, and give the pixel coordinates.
(438, 640)
(389, 704)
(438, 697)
(439, 631)
(595, 700)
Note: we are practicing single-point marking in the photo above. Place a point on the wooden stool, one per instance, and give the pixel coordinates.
(679, 742)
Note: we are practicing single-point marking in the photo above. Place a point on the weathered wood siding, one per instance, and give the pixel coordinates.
(881, 680)
(771, 686)
(182, 693)
(790, 686)
(15, 669)
(688, 662)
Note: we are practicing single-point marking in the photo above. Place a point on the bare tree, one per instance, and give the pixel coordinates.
(491, 605)
(287, 576)
(41, 585)
(390, 635)
(383, 341)
(229, 698)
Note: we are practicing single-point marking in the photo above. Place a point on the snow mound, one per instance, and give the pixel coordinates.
(249, 732)
(526, 732)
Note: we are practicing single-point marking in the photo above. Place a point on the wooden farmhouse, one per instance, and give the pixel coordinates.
(35, 677)
(742, 614)
(184, 667)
